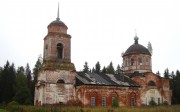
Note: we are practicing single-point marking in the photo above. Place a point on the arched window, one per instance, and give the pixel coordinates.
(139, 61)
(61, 81)
(151, 83)
(59, 51)
(132, 61)
(132, 99)
(126, 62)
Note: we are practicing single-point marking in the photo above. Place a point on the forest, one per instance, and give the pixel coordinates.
(18, 84)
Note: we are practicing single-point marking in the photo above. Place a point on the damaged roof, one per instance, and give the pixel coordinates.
(104, 79)
(137, 74)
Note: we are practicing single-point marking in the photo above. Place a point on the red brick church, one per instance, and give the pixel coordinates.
(59, 83)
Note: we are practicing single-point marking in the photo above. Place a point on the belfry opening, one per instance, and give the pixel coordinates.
(59, 51)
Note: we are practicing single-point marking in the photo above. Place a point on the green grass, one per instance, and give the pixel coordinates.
(173, 108)
(2, 110)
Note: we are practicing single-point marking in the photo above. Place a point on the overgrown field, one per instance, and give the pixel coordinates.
(173, 108)
(2, 110)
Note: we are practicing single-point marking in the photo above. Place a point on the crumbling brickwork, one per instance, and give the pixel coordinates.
(122, 94)
(55, 87)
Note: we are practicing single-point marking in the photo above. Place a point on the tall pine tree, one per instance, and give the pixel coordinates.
(118, 70)
(110, 68)
(93, 70)
(166, 73)
(86, 68)
(97, 67)
(177, 86)
(37, 68)
(28, 75)
(8, 81)
(104, 70)
(30, 82)
(35, 73)
(23, 94)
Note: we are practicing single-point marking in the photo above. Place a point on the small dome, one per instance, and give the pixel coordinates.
(136, 49)
(57, 22)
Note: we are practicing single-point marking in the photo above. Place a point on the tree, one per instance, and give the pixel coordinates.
(104, 70)
(152, 103)
(20, 78)
(172, 82)
(1, 84)
(90, 70)
(28, 75)
(8, 76)
(158, 73)
(166, 73)
(177, 86)
(29, 79)
(37, 68)
(118, 70)
(97, 67)
(86, 68)
(23, 94)
(93, 70)
(110, 68)
(35, 73)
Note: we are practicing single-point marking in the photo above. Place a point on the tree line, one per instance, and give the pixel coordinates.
(18, 84)
(174, 80)
(97, 69)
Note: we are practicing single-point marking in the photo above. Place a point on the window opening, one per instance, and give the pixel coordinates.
(140, 61)
(151, 83)
(132, 61)
(158, 101)
(92, 101)
(61, 81)
(103, 101)
(147, 61)
(59, 51)
(125, 62)
(132, 101)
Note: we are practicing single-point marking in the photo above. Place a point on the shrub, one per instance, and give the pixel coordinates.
(12, 103)
(165, 103)
(13, 106)
(115, 103)
(152, 103)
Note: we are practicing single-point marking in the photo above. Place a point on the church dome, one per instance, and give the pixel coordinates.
(136, 49)
(57, 22)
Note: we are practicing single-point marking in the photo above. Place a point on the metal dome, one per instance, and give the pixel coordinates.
(136, 49)
(57, 22)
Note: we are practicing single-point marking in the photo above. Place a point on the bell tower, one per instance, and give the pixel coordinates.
(57, 43)
(56, 77)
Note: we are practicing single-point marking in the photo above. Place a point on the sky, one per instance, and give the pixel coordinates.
(101, 30)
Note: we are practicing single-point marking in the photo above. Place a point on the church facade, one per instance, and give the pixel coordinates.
(58, 83)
